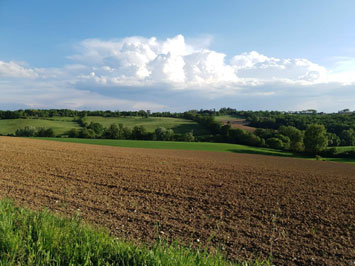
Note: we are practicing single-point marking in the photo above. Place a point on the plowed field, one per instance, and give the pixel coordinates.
(300, 211)
(239, 123)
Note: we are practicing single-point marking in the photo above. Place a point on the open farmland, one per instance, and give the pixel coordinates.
(298, 211)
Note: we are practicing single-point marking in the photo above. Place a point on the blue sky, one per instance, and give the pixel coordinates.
(177, 55)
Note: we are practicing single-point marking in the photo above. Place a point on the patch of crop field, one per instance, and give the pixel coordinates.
(227, 117)
(299, 212)
(151, 123)
(60, 126)
(235, 122)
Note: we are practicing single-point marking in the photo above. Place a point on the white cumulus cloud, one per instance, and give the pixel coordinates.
(16, 70)
(262, 68)
(148, 73)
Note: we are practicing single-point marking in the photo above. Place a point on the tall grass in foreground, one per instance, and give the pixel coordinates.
(40, 238)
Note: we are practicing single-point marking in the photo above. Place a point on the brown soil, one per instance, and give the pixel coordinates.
(239, 123)
(300, 211)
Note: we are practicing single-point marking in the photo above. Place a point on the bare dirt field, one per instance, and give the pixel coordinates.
(300, 211)
(239, 123)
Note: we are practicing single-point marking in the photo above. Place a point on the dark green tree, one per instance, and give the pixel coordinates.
(162, 133)
(315, 138)
(296, 137)
(348, 137)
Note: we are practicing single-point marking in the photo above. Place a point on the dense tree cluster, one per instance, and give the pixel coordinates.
(340, 126)
(29, 131)
(119, 131)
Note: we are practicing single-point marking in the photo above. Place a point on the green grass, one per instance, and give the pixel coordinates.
(345, 148)
(40, 238)
(59, 126)
(151, 123)
(194, 146)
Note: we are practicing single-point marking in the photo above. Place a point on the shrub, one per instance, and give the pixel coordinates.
(189, 137)
(330, 152)
(275, 143)
(162, 133)
(27, 131)
(73, 133)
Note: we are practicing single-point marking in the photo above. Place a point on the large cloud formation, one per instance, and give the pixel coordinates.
(144, 73)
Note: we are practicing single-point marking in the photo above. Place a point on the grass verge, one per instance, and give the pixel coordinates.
(40, 238)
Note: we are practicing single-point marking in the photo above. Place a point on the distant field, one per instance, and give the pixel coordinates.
(226, 117)
(60, 125)
(193, 146)
(236, 122)
(151, 123)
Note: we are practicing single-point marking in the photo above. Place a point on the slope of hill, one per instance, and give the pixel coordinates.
(59, 126)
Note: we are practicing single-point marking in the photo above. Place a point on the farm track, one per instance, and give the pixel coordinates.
(301, 211)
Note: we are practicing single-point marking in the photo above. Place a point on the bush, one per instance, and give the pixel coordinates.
(297, 146)
(162, 133)
(347, 154)
(329, 153)
(27, 131)
(275, 143)
(189, 137)
(42, 132)
(73, 133)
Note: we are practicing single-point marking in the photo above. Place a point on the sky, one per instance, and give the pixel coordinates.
(177, 55)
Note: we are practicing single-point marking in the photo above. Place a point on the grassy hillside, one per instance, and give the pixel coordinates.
(151, 123)
(40, 238)
(59, 125)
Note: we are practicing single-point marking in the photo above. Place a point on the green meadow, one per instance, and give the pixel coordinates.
(194, 146)
(59, 126)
